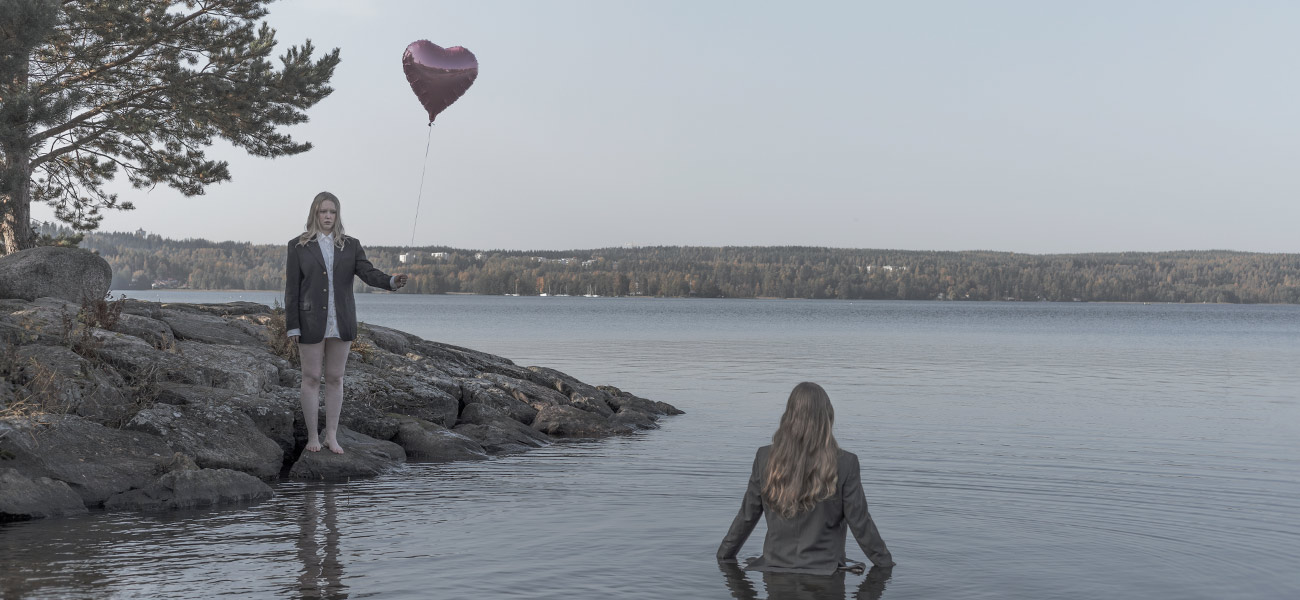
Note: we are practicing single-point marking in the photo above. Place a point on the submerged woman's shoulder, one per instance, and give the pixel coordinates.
(847, 457)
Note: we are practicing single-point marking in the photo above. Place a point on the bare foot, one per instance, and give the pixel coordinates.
(334, 446)
(313, 445)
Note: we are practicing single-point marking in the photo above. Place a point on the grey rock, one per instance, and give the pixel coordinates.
(188, 488)
(478, 391)
(64, 382)
(581, 395)
(68, 273)
(572, 422)
(138, 359)
(463, 362)
(619, 399)
(592, 404)
(364, 414)
(634, 419)
(248, 369)
(221, 309)
(496, 432)
(218, 436)
(416, 395)
(46, 321)
(95, 461)
(392, 340)
(431, 442)
(206, 328)
(23, 498)
(362, 456)
(272, 414)
(533, 394)
(157, 333)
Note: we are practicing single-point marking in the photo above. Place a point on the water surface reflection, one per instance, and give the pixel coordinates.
(798, 586)
(318, 551)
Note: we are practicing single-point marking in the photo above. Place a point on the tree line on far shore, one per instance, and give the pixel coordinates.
(141, 260)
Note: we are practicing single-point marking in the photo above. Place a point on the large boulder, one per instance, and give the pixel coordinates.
(192, 488)
(95, 461)
(23, 498)
(72, 274)
(363, 456)
(431, 442)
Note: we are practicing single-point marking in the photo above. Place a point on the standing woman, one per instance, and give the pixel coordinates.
(320, 312)
(810, 491)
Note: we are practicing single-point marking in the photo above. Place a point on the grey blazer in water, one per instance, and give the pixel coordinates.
(813, 541)
(306, 296)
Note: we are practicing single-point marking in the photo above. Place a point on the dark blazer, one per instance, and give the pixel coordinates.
(813, 541)
(306, 295)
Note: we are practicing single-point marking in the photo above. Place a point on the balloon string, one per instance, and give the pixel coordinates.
(421, 194)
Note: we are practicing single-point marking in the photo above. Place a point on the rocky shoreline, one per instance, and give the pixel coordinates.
(135, 405)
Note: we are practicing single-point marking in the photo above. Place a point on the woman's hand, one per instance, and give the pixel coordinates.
(399, 281)
(293, 338)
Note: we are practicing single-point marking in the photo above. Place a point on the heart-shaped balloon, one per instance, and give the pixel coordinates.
(438, 75)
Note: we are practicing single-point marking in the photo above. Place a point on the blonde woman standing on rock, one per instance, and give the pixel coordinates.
(320, 312)
(811, 492)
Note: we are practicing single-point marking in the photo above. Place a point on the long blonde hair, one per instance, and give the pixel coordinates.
(801, 469)
(313, 226)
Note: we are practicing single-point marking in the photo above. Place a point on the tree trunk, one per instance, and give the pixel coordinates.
(16, 228)
(16, 191)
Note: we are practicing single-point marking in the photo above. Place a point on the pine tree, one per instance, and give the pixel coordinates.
(90, 89)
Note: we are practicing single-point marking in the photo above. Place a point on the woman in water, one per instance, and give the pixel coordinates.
(810, 492)
(320, 312)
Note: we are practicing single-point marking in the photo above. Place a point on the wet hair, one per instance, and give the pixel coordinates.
(801, 469)
(313, 226)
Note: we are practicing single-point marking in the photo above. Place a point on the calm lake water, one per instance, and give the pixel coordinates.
(1009, 450)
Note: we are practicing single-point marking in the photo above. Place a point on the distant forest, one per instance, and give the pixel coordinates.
(141, 260)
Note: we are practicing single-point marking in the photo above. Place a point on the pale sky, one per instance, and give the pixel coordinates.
(1028, 126)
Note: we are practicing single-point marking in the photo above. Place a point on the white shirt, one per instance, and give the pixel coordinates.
(326, 242)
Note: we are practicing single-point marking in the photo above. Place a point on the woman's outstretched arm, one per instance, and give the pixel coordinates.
(855, 511)
(751, 508)
(369, 274)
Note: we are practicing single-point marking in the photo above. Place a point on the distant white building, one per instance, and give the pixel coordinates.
(415, 257)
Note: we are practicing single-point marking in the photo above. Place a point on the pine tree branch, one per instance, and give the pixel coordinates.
(44, 87)
(72, 146)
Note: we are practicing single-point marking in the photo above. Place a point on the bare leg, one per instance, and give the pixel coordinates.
(310, 356)
(336, 360)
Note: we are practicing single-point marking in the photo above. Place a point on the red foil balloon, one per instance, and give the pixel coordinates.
(438, 75)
